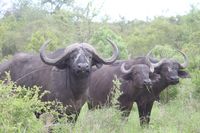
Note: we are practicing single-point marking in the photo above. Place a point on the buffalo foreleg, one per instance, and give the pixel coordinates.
(144, 112)
(126, 109)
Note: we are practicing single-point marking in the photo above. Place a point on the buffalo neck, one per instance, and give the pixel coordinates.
(159, 86)
(77, 85)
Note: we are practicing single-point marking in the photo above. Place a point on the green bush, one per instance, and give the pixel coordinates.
(168, 94)
(17, 107)
(192, 50)
(99, 40)
(39, 37)
(196, 82)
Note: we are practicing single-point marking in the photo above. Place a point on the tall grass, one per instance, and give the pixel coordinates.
(181, 114)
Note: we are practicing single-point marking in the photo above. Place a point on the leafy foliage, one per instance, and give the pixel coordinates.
(30, 23)
(99, 39)
(17, 109)
(196, 82)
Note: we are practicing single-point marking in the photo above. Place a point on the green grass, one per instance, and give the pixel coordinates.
(176, 116)
(181, 114)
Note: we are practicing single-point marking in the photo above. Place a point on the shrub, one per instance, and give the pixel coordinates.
(17, 107)
(99, 40)
(196, 83)
(39, 37)
(168, 94)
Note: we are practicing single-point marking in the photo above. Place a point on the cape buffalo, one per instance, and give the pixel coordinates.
(133, 82)
(169, 70)
(65, 72)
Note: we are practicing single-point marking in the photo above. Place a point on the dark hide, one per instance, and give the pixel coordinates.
(170, 72)
(132, 85)
(67, 81)
(64, 84)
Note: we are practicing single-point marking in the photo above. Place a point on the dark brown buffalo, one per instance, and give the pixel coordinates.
(133, 82)
(65, 72)
(167, 72)
(170, 71)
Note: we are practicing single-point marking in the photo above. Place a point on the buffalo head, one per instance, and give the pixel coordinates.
(79, 57)
(170, 70)
(139, 74)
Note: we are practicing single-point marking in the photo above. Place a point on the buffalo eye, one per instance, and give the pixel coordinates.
(90, 57)
(128, 76)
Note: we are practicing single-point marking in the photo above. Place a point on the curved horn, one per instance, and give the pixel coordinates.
(154, 65)
(186, 62)
(151, 64)
(114, 56)
(124, 70)
(45, 58)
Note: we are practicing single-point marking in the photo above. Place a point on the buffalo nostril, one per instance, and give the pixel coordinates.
(79, 66)
(147, 82)
(174, 78)
(83, 67)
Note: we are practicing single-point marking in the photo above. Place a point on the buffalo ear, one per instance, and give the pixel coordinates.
(127, 76)
(62, 65)
(157, 70)
(154, 76)
(183, 74)
(96, 63)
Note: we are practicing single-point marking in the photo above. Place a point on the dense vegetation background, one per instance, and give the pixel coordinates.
(28, 24)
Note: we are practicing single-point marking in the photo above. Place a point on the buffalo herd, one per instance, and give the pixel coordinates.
(77, 74)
